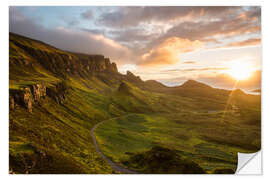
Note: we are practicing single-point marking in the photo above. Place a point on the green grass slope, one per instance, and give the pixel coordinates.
(201, 137)
(83, 90)
(54, 138)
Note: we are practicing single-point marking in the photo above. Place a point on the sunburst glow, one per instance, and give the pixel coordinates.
(240, 70)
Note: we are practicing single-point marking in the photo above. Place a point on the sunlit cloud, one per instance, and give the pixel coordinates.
(168, 52)
(107, 41)
(189, 62)
(127, 67)
(198, 69)
(248, 42)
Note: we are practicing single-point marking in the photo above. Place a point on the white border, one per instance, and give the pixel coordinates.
(265, 84)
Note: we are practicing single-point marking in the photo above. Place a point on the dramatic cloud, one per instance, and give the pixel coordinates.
(132, 16)
(196, 69)
(78, 41)
(208, 24)
(253, 13)
(131, 35)
(168, 51)
(143, 28)
(206, 30)
(87, 15)
(248, 42)
(189, 62)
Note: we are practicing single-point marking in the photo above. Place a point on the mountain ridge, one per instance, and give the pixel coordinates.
(56, 97)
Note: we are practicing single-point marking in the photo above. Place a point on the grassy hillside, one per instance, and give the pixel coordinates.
(204, 138)
(55, 137)
(56, 98)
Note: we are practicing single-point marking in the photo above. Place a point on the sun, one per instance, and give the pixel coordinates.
(240, 70)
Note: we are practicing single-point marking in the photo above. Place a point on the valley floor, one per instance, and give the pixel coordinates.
(212, 144)
(116, 167)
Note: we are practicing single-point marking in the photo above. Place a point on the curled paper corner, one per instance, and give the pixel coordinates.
(249, 163)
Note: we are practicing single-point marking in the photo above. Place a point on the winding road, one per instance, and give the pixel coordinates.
(115, 167)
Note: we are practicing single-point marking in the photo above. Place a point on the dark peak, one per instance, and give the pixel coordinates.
(238, 92)
(154, 83)
(124, 87)
(132, 77)
(194, 84)
(113, 67)
(129, 73)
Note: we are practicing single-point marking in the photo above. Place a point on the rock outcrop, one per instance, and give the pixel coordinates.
(21, 97)
(132, 78)
(113, 67)
(28, 99)
(58, 92)
(97, 63)
(66, 63)
(38, 91)
(27, 96)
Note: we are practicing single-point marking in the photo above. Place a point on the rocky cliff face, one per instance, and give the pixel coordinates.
(27, 96)
(97, 63)
(21, 97)
(28, 99)
(58, 92)
(63, 63)
(132, 78)
(38, 91)
(28, 56)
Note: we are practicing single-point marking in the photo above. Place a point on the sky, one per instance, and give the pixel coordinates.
(220, 46)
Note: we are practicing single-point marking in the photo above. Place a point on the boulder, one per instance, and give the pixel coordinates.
(38, 91)
(27, 99)
(11, 103)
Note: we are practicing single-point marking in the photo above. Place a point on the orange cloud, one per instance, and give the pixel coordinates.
(249, 42)
(169, 50)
